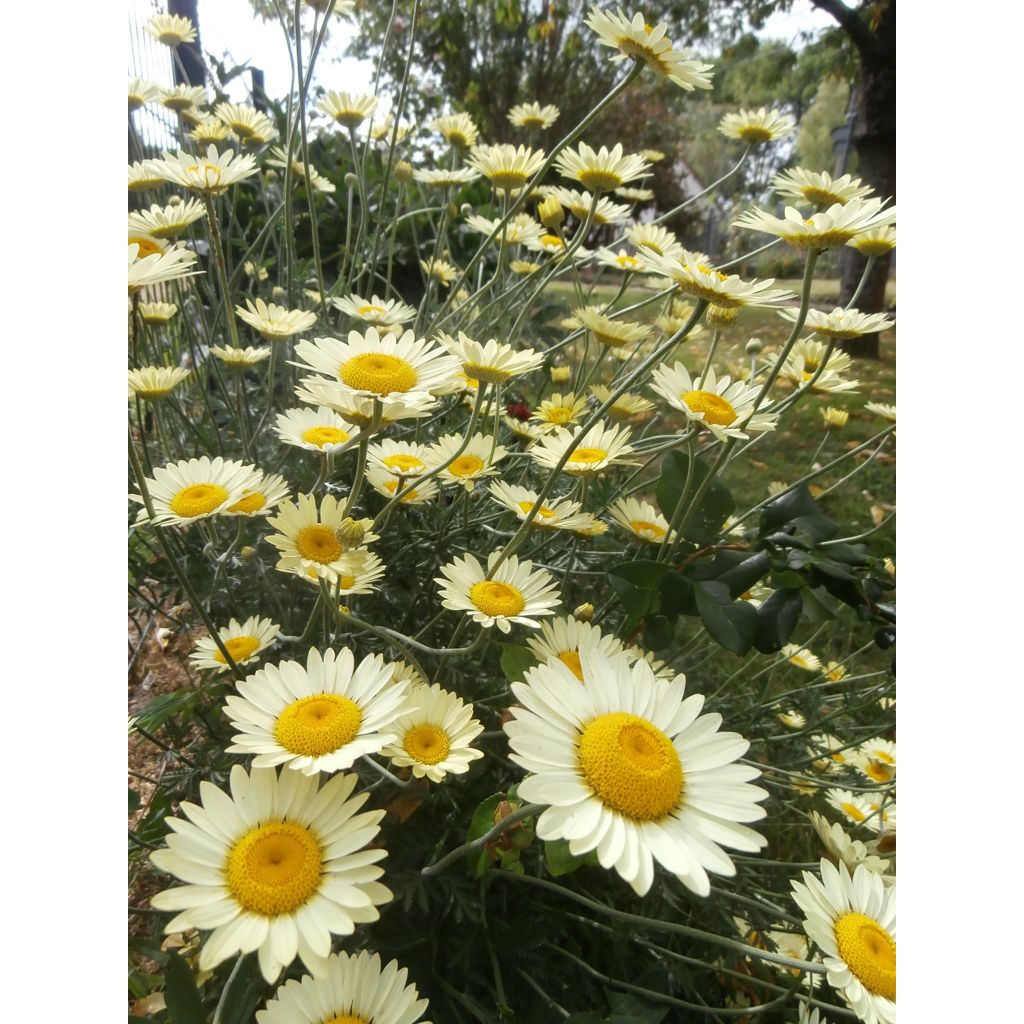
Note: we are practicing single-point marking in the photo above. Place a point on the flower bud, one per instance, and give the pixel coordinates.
(278, 294)
(402, 171)
(835, 419)
(350, 180)
(560, 374)
(351, 532)
(585, 612)
(550, 212)
(174, 201)
(248, 553)
(754, 346)
(465, 209)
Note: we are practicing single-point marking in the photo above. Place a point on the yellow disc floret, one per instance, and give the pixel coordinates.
(588, 456)
(497, 599)
(274, 868)
(544, 512)
(250, 503)
(378, 373)
(346, 1018)
(404, 463)
(652, 531)
(715, 408)
(324, 435)
(198, 500)
(869, 951)
(239, 647)
(427, 744)
(571, 659)
(318, 725)
(631, 766)
(466, 466)
(318, 544)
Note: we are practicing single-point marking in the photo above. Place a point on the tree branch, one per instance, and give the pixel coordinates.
(852, 24)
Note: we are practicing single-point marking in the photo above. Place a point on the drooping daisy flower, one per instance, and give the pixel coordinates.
(158, 267)
(505, 166)
(841, 323)
(602, 170)
(791, 719)
(522, 229)
(361, 581)
(819, 188)
(843, 848)
(633, 770)
(247, 123)
(876, 242)
(376, 311)
(348, 109)
(533, 115)
(801, 657)
(621, 260)
(635, 195)
(386, 483)
(563, 639)
(141, 91)
(553, 514)
(434, 732)
(308, 540)
(239, 358)
(453, 177)
(625, 407)
(363, 410)
(278, 866)
(458, 129)
(157, 312)
(516, 592)
(321, 717)
(155, 382)
(171, 29)
(261, 497)
(642, 520)
(579, 204)
(274, 322)
(208, 130)
(608, 331)
(635, 38)
(440, 270)
(853, 921)
(696, 278)
(559, 411)
(184, 492)
(594, 451)
(244, 641)
(824, 230)
(145, 174)
(316, 430)
(350, 990)
(721, 404)
(478, 460)
(493, 362)
(887, 412)
(657, 239)
(209, 174)
(166, 221)
(757, 126)
(306, 173)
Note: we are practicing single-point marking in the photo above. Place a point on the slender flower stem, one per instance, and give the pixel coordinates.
(526, 811)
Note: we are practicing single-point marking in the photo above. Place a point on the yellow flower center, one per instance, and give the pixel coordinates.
(631, 766)
(754, 133)
(869, 951)
(882, 755)
(496, 599)
(560, 414)
(627, 261)
(250, 503)
(318, 725)
(652, 531)
(347, 582)
(274, 868)
(544, 512)
(428, 744)
(552, 240)
(588, 456)
(705, 269)
(378, 373)
(507, 179)
(714, 407)
(346, 1018)
(404, 463)
(466, 466)
(852, 811)
(198, 500)
(571, 659)
(239, 647)
(371, 310)
(597, 180)
(324, 435)
(147, 247)
(318, 544)
(878, 771)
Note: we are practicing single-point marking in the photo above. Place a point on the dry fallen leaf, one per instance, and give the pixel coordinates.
(153, 1003)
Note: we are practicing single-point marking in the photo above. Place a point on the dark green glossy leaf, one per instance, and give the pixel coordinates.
(561, 862)
(658, 632)
(636, 583)
(733, 624)
(816, 608)
(481, 823)
(852, 554)
(677, 596)
(795, 511)
(184, 1004)
(742, 576)
(776, 619)
(515, 660)
(704, 523)
(134, 800)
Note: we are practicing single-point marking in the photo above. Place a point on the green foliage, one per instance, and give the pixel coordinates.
(814, 144)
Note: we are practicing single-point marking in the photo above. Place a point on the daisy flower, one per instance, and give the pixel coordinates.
(274, 322)
(493, 362)
(637, 39)
(155, 382)
(625, 407)
(477, 460)
(157, 312)
(602, 170)
(633, 771)
(579, 204)
(321, 717)
(608, 331)
(261, 497)
(362, 580)
(304, 172)
(434, 730)
(360, 409)
(553, 514)
(879, 760)
(348, 109)
(635, 195)
(801, 657)
(857, 809)
(841, 323)
(834, 672)
(376, 311)
(247, 123)
(887, 412)
(594, 451)
(515, 593)
(145, 174)
(166, 221)
(834, 419)
(349, 990)
(694, 277)
(158, 267)
(140, 92)
(824, 230)
(621, 260)
(171, 29)
(184, 492)
(506, 167)
(453, 177)
(308, 539)
(757, 126)
(383, 130)
(874, 243)
(641, 519)
(563, 639)
(239, 358)
(245, 641)
(533, 115)
(522, 229)
(209, 174)
(279, 866)
(384, 482)
(458, 129)
(721, 405)
(208, 130)
(657, 239)
(559, 410)
(316, 430)
(401, 458)
(842, 848)
(819, 188)
(791, 719)
(853, 920)
(439, 270)
(385, 367)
